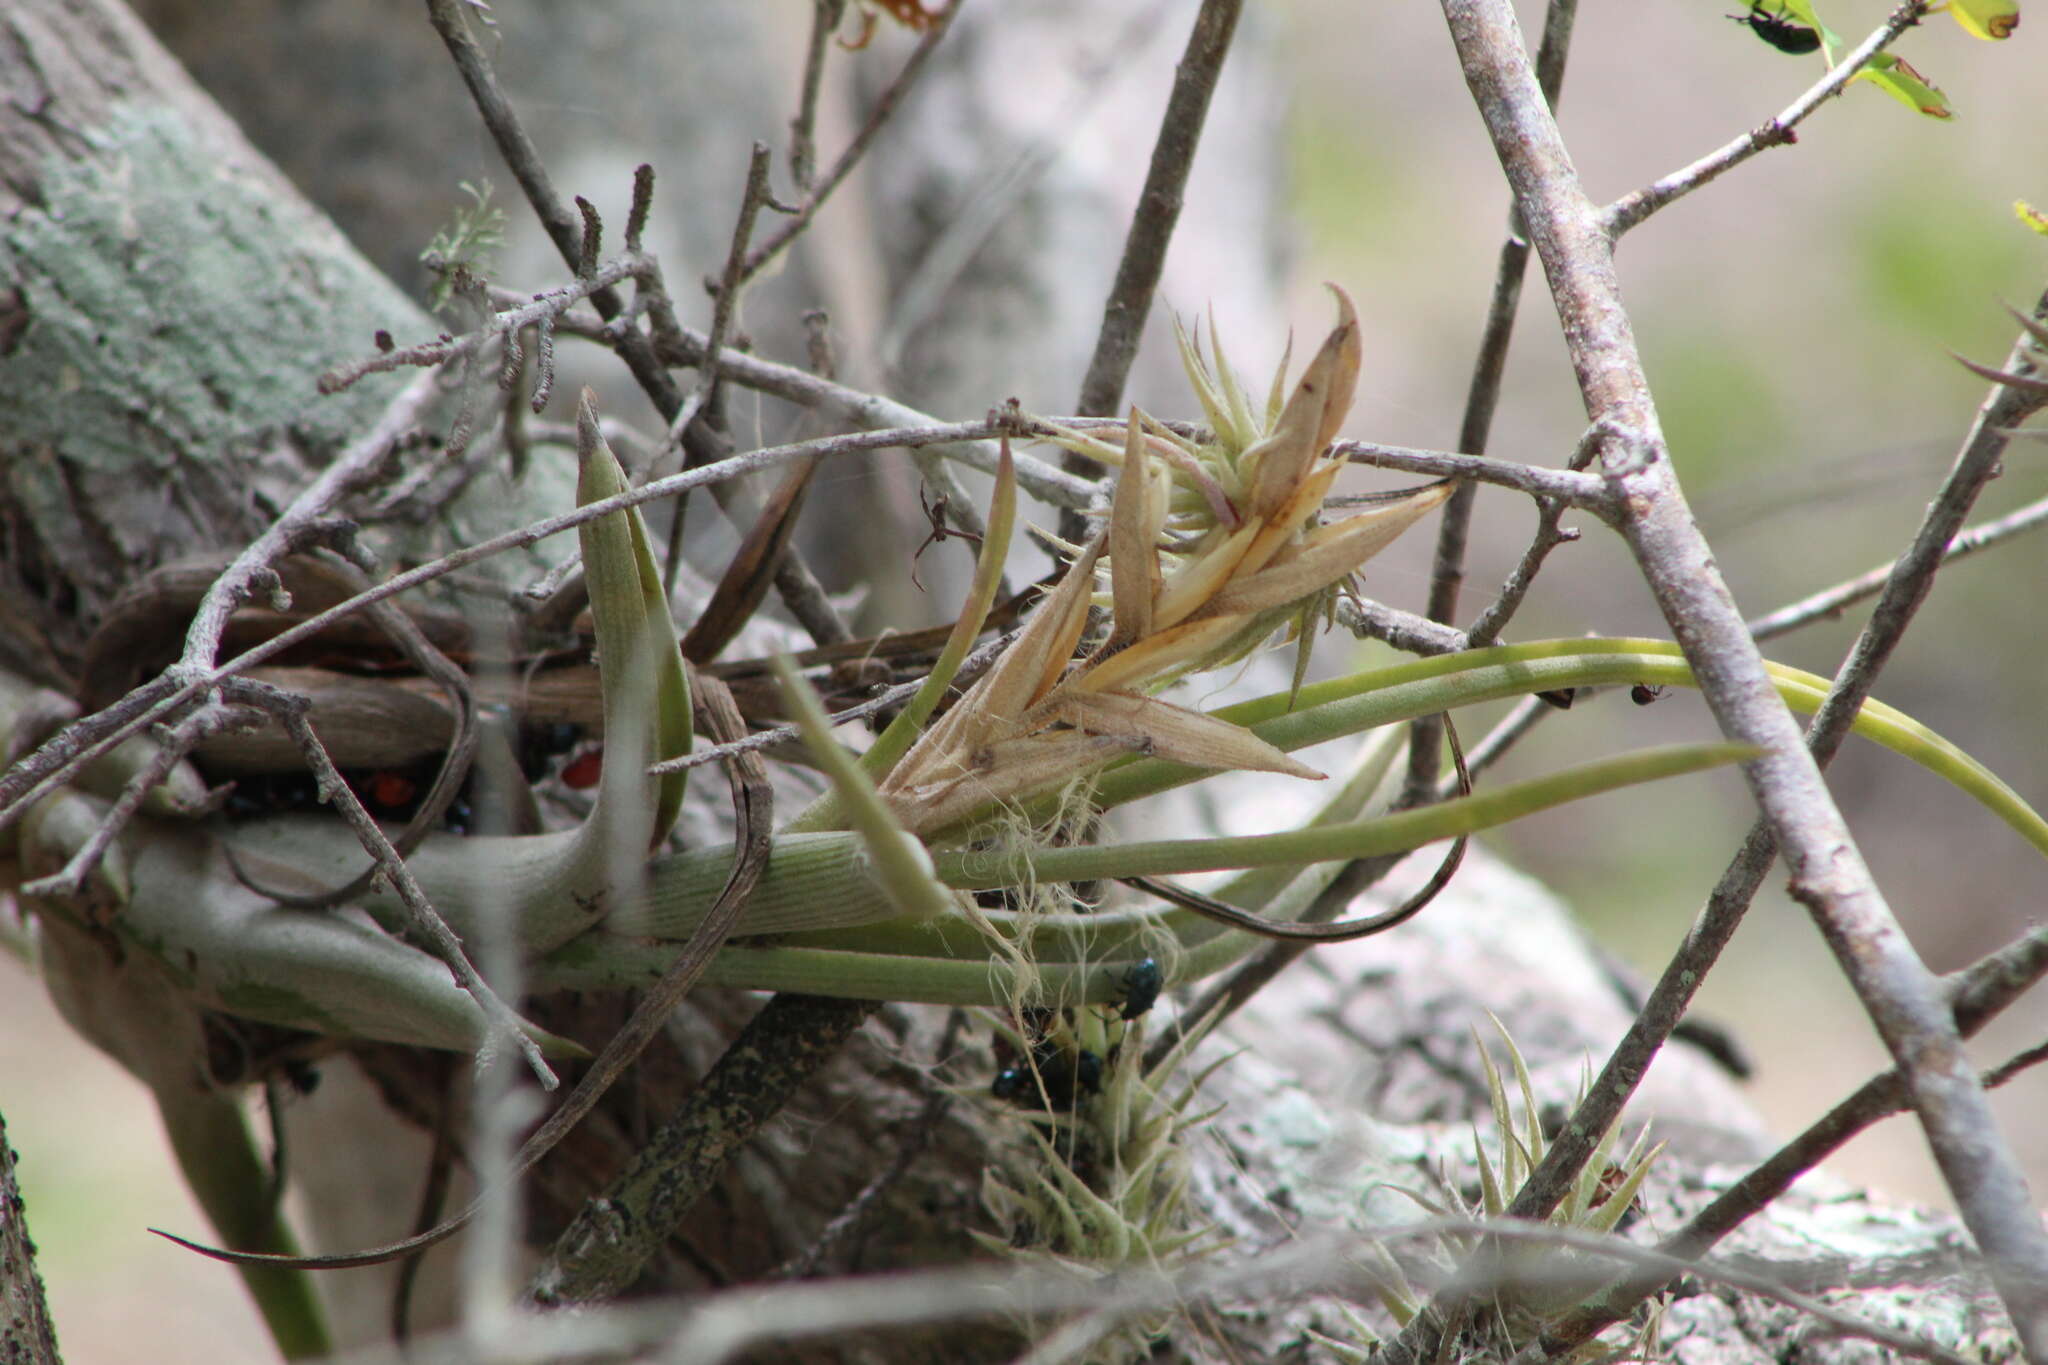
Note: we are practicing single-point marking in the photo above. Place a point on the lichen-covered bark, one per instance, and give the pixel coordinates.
(169, 303)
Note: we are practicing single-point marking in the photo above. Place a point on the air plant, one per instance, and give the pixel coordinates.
(1533, 1284)
(1210, 548)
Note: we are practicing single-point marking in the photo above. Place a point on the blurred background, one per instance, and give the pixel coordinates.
(1796, 320)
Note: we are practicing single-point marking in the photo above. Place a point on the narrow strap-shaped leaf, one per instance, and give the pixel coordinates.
(899, 860)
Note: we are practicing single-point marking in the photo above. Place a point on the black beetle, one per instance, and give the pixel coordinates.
(1779, 31)
(1065, 1077)
(1141, 984)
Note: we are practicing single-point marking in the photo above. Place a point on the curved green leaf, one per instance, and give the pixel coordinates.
(1893, 75)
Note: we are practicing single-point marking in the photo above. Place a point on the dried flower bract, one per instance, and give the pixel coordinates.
(1210, 548)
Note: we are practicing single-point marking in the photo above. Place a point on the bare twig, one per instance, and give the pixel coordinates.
(1631, 209)
(219, 718)
(803, 145)
(536, 310)
(1829, 602)
(1575, 489)
(290, 712)
(1482, 396)
(1486, 629)
(877, 118)
(874, 412)
(725, 305)
(1404, 630)
(84, 741)
(1144, 254)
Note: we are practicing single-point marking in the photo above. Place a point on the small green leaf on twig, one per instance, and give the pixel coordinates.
(1896, 78)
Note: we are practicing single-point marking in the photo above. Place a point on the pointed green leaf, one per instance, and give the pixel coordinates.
(646, 694)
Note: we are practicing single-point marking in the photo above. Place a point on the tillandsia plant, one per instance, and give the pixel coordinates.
(1531, 1285)
(1100, 1185)
(1211, 548)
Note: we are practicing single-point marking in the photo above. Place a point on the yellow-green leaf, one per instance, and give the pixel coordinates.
(1897, 78)
(1992, 19)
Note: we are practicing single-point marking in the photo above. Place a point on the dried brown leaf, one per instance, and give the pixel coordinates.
(1174, 732)
(1312, 417)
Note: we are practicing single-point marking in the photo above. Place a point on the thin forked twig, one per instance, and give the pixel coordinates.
(1487, 626)
(877, 118)
(290, 712)
(539, 310)
(725, 306)
(208, 721)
